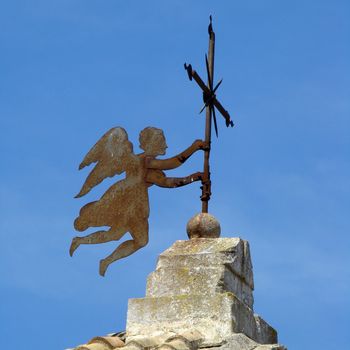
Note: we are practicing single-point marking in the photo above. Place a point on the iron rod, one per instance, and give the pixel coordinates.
(206, 188)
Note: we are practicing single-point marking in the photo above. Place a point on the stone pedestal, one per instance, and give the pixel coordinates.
(205, 286)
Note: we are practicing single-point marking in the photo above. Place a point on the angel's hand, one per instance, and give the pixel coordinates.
(200, 144)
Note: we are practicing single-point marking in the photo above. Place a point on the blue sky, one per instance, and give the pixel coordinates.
(70, 70)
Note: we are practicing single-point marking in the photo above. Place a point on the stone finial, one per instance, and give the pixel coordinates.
(203, 225)
(204, 284)
(200, 297)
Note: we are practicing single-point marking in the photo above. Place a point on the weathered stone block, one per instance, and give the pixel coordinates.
(204, 285)
(231, 252)
(216, 316)
(210, 315)
(205, 280)
(199, 297)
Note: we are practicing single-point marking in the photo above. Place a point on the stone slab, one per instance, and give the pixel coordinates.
(216, 316)
(171, 281)
(232, 252)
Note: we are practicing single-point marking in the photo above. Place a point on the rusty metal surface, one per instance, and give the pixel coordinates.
(210, 103)
(124, 206)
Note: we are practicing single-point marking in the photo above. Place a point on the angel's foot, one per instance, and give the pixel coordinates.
(74, 245)
(103, 266)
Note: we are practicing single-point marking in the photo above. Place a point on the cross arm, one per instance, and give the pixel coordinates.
(209, 96)
(193, 74)
(223, 112)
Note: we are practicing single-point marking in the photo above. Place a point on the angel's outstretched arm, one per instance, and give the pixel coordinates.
(158, 178)
(174, 162)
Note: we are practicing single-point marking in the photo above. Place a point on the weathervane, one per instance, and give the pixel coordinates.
(210, 102)
(124, 207)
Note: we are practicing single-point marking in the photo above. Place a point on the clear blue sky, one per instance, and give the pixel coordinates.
(72, 69)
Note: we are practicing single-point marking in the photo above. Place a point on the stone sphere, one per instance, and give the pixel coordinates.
(203, 225)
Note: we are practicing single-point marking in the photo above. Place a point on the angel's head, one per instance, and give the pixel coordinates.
(152, 141)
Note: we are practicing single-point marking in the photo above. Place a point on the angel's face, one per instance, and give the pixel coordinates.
(157, 146)
(161, 145)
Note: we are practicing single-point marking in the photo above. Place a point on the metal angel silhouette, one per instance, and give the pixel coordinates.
(124, 206)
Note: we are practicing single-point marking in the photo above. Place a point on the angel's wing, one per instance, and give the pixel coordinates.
(107, 153)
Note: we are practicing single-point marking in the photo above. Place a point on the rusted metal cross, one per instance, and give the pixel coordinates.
(210, 103)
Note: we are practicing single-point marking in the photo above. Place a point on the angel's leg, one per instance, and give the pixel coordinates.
(139, 231)
(113, 234)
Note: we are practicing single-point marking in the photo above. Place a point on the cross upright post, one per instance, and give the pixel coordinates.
(206, 185)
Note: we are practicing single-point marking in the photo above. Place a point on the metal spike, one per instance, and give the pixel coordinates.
(214, 118)
(203, 108)
(210, 26)
(209, 77)
(217, 85)
(188, 68)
